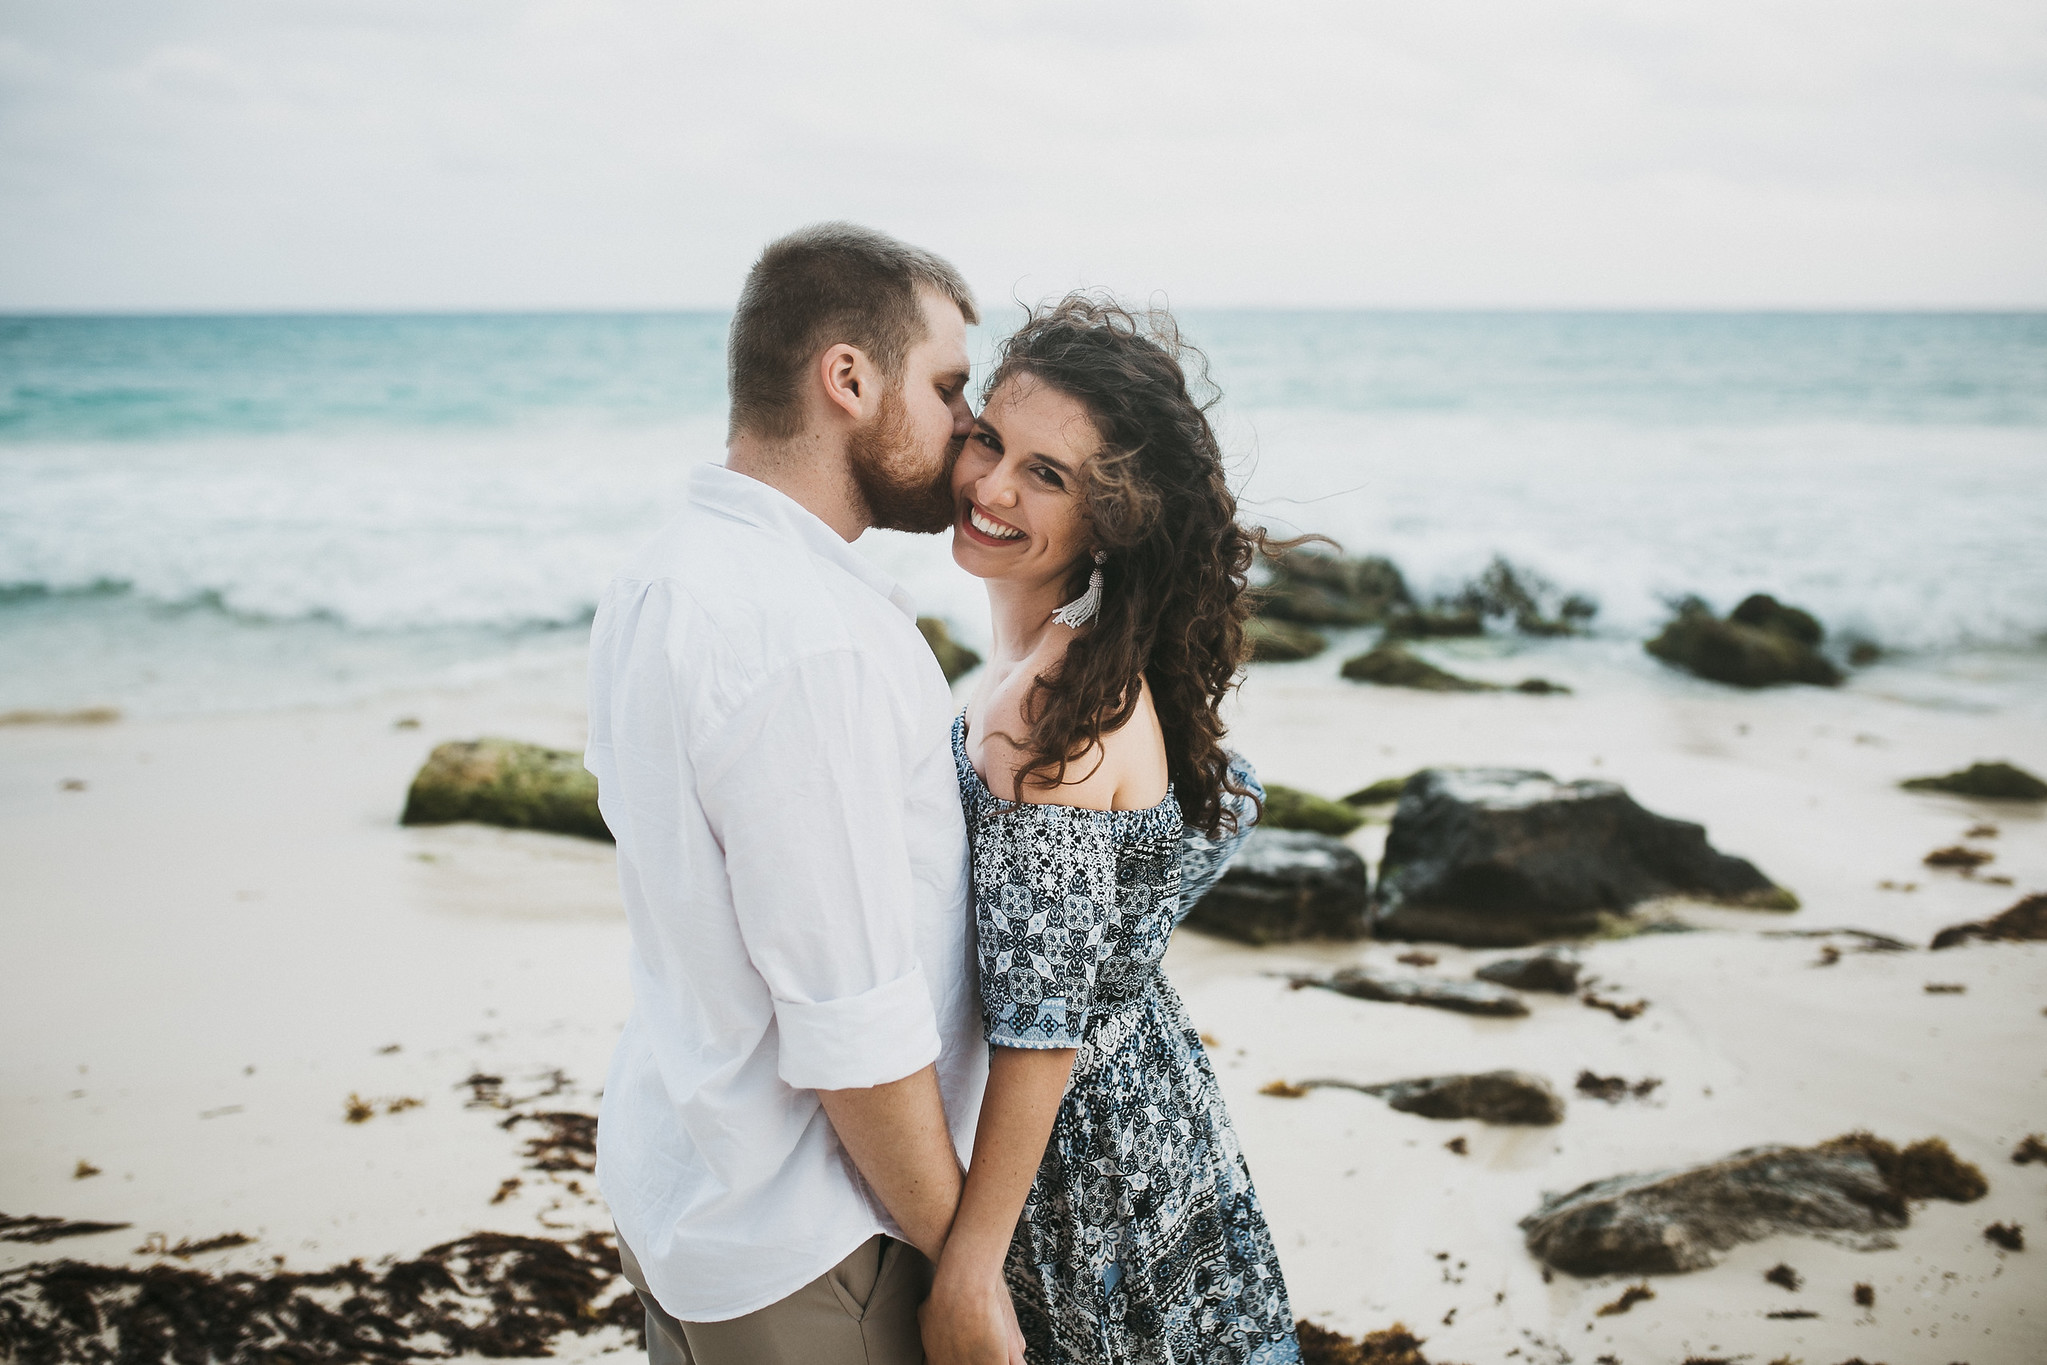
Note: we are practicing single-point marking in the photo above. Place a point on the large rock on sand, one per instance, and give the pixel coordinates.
(1330, 590)
(1499, 1097)
(1392, 665)
(1855, 1189)
(1461, 997)
(1285, 885)
(506, 782)
(1550, 971)
(1761, 642)
(1985, 782)
(1501, 857)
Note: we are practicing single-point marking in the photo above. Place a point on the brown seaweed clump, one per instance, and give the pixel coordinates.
(2023, 922)
(490, 1294)
(2032, 1148)
(1959, 856)
(1394, 1345)
(569, 1142)
(1927, 1169)
(2010, 1236)
(1632, 1295)
(33, 1228)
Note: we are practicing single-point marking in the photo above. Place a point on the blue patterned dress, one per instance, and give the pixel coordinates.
(1142, 1241)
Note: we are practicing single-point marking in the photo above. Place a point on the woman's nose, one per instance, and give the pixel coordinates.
(997, 487)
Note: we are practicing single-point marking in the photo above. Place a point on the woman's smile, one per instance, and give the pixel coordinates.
(986, 528)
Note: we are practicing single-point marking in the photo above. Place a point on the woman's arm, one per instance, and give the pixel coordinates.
(969, 1307)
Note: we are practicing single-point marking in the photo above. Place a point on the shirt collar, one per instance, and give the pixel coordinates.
(747, 499)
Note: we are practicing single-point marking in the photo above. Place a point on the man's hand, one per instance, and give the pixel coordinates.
(970, 1320)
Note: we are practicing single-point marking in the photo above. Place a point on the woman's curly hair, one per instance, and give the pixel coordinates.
(1174, 586)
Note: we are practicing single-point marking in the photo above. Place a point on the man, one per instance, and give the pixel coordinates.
(785, 1118)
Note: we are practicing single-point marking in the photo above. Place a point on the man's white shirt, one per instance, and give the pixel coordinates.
(772, 744)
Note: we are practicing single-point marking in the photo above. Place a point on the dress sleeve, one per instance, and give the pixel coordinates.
(1044, 903)
(1203, 859)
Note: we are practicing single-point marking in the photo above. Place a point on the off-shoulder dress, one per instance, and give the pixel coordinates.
(1142, 1241)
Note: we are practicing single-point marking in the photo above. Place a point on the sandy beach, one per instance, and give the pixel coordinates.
(222, 945)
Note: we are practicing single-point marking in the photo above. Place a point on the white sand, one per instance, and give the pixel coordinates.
(234, 892)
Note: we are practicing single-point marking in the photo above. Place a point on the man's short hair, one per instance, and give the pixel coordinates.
(818, 287)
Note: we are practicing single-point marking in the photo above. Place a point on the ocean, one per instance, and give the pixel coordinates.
(222, 513)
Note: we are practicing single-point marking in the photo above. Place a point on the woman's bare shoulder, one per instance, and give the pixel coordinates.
(1125, 771)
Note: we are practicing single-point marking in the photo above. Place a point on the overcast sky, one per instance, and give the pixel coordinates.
(265, 154)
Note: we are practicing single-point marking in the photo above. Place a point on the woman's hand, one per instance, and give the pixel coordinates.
(969, 1319)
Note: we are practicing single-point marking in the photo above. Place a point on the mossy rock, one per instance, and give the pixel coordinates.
(1433, 623)
(1745, 655)
(1269, 641)
(506, 782)
(1764, 612)
(1993, 781)
(953, 657)
(1290, 808)
(1522, 595)
(1332, 590)
(1391, 665)
(1384, 792)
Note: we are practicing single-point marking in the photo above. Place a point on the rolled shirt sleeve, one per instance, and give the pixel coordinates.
(804, 789)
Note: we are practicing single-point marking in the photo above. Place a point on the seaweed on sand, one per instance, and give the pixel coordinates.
(569, 1142)
(1394, 1345)
(32, 1228)
(492, 1293)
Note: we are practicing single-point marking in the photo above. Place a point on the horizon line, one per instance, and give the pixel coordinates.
(12, 313)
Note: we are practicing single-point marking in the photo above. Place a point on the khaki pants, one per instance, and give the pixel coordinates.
(863, 1311)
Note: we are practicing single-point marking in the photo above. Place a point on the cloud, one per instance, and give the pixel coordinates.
(629, 153)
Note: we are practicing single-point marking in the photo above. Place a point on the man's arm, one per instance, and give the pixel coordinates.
(897, 1136)
(804, 789)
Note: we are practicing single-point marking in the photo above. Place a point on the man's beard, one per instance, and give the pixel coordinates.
(885, 470)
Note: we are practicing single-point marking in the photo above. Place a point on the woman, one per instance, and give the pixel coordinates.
(1107, 1198)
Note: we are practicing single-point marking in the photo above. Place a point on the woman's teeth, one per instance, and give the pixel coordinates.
(991, 528)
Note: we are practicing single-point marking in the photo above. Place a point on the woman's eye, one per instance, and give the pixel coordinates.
(989, 441)
(1049, 476)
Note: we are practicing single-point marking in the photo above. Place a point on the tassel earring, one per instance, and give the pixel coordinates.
(1082, 609)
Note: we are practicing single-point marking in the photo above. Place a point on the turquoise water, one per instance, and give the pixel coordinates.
(209, 512)
(95, 379)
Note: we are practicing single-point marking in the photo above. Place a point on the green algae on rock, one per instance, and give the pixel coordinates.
(1381, 793)
(1291, 808)
(1762, 642)
(953, 657)
(1989, 781)
(1392, 665)
(506, 782)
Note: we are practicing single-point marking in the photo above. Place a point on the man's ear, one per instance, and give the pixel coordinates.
(850, 383)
